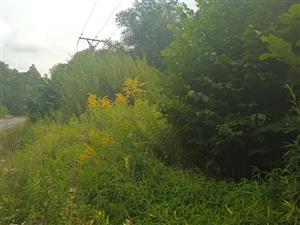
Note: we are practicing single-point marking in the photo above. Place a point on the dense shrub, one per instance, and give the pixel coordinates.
(228, 96)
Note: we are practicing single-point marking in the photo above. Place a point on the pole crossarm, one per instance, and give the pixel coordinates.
(93, 43)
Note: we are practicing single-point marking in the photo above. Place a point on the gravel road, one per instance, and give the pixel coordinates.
(7, 123)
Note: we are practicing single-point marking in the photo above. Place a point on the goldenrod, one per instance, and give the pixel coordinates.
(126, 161)
(121, 99)
(133, 88)
(88, 153)
(105, 140)
(92, 102)
(105, 101)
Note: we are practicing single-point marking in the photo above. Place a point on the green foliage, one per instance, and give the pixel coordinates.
(17, 89)
(279, 49)
(292, 155)
(291, 21)
(45, 103)
(286, 52)
(231, 106)
(100, 170)
(285, 181)
(283, 50)
(101, 73)
(290, 179)
(14, 138)
(4, 113)
(145, 28)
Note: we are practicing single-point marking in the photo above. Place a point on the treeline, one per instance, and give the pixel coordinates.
(18, 90)
(224, 76)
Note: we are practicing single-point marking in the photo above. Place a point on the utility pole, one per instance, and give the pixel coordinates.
(93, 43)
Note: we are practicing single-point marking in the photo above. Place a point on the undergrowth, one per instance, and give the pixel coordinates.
(101, 169)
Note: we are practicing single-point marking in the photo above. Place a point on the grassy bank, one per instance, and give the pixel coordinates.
(14, 138)
(100, 169)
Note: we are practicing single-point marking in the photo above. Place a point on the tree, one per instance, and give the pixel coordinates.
(145, 28)
(229, 106)
(18, 88)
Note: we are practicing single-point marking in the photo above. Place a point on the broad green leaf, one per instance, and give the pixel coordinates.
(285, 18)
(279, 49)
(225, 59)
(294, 11)
(265, 56)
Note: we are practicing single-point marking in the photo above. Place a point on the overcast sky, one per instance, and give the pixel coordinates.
(44, 32)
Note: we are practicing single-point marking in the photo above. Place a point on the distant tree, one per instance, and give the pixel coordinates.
(10, 88)
(45, 101)
(114, 46)
(32, 82)
(18, 89)
(145, 28)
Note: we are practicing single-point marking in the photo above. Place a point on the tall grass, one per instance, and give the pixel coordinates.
(100, 73)
(100, 169)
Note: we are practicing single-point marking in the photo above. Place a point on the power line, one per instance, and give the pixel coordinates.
(114, 33)
(109, 18)
(76, 46)
(89, 17)
(85, 25)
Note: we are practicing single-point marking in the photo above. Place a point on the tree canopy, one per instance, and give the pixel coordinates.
(145, 28)
(17, 88)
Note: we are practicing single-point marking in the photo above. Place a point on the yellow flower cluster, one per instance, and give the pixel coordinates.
(132, 88)
(121, 99)
(87, 154)
(98, 138)
(105, 140)
(105, 101)
(92, 102)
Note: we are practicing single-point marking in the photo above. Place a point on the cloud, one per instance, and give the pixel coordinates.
(22, 42)
(4, 29)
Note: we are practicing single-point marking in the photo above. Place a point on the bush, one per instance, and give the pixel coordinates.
(226, 88)
(4, 113)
